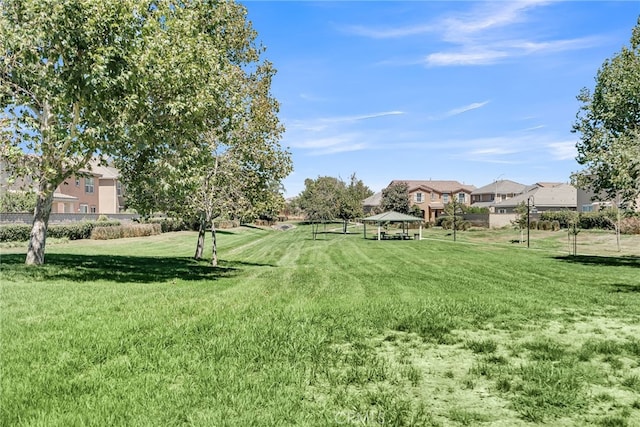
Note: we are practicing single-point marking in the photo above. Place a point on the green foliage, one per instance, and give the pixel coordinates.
(564, 218)
(320, 199)
(163, 89)
(599, 220)
(447, 222)
(475, 210)
(123, 231)
(609, 126)
(327, 198)
(14, 233)
(416, 211)
(170, 224)
(17, 202)
(396, 198)
(71, 231)
(522, 216)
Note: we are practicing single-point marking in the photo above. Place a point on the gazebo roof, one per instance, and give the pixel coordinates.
(392, 216)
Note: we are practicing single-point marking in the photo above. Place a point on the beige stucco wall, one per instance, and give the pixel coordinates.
(108, 197)
(501, 220)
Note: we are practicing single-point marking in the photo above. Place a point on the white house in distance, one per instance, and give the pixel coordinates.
(496, 192)
(544, 197)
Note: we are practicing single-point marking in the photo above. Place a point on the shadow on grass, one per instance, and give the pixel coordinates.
(625, 288)
(123, 269)
(612, 261)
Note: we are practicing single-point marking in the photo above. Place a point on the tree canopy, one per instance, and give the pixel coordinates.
(140, 82)
(327, 198)
(396, 198)
(609, 126)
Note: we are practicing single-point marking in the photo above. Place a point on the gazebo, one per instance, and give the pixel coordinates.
(392, 217)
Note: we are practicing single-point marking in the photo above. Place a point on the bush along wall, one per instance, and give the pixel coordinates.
(123, 231)
(72, 231)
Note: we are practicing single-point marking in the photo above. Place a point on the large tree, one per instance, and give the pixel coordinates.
(396, 198)
(320, 200)
(350, 203)
(609, 126)
(140, 81)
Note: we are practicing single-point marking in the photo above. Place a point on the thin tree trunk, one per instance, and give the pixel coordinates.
(200, 245)
(214, 255)
(38, 238)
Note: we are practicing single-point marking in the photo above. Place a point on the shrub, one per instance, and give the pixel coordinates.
(15, 233)
(601, 220)
(227, 223)
(123, 231)
(170, 224)
(630, 225)
(71, 231)
(446, 222)
(564, 218)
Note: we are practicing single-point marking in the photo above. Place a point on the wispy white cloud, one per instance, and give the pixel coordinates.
(460, 110)
(470, 56)
(483, 35)
(492, 151)
(339, 149)
(330, 135)
(360, 117)
(387, 33)
(489, 34)
(563, 150)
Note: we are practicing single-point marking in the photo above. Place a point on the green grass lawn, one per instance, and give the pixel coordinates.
(336, 331)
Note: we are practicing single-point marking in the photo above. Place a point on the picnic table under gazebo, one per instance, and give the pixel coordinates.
(393, 217)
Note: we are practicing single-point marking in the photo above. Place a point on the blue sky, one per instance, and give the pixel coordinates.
(466, 91)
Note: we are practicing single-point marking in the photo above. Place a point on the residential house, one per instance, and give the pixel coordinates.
(496, 192)
(93, 191)
(431, 196)
(371, 204)
(98, 190)
(542, 197)
(588, 201)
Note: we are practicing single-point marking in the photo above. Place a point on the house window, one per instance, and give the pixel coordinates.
(587, 208)
(77, 182)
(419, 198)
(119, 188)
(433, 196)
(502, 211)
(84, 208)
(93, 209)
(445, 198)
(88, 185)
(461, 198)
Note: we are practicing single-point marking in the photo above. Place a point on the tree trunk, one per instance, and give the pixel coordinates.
(200, 245)
(37, 240)
(344, 227)
(214, 255)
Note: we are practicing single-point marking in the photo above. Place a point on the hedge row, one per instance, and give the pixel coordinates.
(72, 231)
(544, 225)
(170, 224)
(122, 231)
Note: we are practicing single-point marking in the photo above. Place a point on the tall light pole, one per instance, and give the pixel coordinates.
(529, 204)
